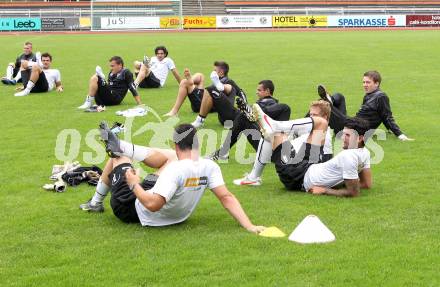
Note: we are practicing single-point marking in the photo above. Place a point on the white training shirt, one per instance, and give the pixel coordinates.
(345, 165)
(328, 146)
(182, 184)
(52, 76)
(161, 68)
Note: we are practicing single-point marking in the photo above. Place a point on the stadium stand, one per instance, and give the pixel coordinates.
(75, 9)
(332, 7)
(206, 7)
(48, 9)
(213, 7)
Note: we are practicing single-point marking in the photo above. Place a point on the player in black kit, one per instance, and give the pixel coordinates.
(112, 91)
(219, 96)
(248, 126)
(12, 71)
(375, 107)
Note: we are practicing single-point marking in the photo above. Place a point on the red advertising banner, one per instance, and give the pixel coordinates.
(423, 20)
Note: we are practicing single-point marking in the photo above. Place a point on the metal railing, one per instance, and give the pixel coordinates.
(80, 12)
(200, 7)
(85, 12)
(333, 10)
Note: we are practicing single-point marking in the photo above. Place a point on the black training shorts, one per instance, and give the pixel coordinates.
(41, 86)
(151, 81)
(123, 199)
(195, 97)
(105, 96)
(292, 166)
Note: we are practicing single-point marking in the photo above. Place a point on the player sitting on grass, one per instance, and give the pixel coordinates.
(245, 123)
(152, 157)
(171, 197)
(38, 77)
(13, 75)
(375, 107)
(303, 170)
(114, 90)
(153, 73)
(264, 152)
(219, 96)
(191, 87)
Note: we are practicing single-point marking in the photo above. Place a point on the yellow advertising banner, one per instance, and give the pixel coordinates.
(188, 22)
(169, 22)
(299, 21)
(199, 22)
(84, 22)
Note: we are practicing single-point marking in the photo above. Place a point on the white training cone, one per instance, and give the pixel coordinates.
(312, 230)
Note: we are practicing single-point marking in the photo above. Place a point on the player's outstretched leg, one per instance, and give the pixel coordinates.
(93, 89)
(216, 81)
(111, 140)
(96, 203)
(323, 94)
(186, 87)
(9, 78)
(245, 109)
(35, 75)
(264, 153)
(269, 126)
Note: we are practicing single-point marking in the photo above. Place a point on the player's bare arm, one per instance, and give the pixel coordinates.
(233, 206)
(365, 179)
(153, 202)
(352, 187)
(59, 86)
(176, 75)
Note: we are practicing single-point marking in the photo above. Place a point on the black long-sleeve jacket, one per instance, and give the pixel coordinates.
(376, 109)
(23, 56)
(121, 82)
(266, 102)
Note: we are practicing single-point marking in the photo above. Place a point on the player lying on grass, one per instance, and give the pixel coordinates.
(13, 75)
(171, 197)
(219, 96)
(39, 77)
(303, 170)
(113, 91)
(375, 107)
(245, 123)
(153, 73)
(264, 152)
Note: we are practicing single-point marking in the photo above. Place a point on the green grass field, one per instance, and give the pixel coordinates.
(386, 237)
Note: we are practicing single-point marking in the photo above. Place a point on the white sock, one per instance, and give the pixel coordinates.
(216, 81)
(101, 192)
(200, 119)
(264, 153)
(256, 171)
(87, 103)
(329, 98)
(18, 76)
(38, 57)
(89, 99)
(9, 72)
(298, 127)
(136, 152)
(99, 72)
(29, 86)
